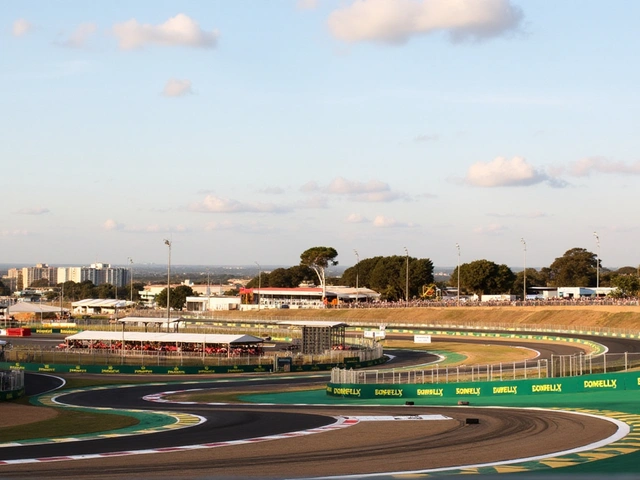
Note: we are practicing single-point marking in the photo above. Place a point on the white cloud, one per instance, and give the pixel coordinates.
(21, 27)
(371, 191)
(155, 228)
(33, 211)
(317, 201)
(355, 218)
(501, 172)
(14, 233)
(587, 166)
(492, 229)
(388, 222)
(535, 214)
(177, 31)
(426, 138)
(111, 224)
(177, 88)
(311, 186)
(341, 185)
(251, 227)
(272, 190)
(214, 204)
(396, 21)
(79, 38)
(307, 4)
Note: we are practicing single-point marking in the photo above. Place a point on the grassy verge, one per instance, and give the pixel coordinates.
(66, 423)
(473, 353)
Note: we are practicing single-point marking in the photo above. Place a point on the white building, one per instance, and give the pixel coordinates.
(212, 303)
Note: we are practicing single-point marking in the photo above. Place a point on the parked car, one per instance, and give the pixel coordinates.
(284, 305)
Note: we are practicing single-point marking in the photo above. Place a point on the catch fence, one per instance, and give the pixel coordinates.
(44, 355)
(557, 366)
(11, 380)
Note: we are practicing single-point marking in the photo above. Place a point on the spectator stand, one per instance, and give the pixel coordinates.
(139, 343)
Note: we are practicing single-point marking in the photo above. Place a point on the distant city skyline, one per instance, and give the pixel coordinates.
(251, 131)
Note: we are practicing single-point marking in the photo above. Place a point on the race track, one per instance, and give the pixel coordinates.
(366, 447)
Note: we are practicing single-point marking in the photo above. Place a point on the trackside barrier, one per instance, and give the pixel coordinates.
(469, 390)
(11, 385)
(177, 369)
(18, 332)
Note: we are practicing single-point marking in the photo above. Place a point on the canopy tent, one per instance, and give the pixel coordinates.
(33, 307)
(157, 322)
(197, 338)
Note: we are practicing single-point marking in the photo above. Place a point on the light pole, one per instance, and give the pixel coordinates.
(131, 277)
(259, 283)
(458, 247)
(168, 244)
(407, 281)
(524, 296)
(597, 263)
(357, 273)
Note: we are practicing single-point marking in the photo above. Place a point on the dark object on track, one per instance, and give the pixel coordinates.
(408, 403)
(462, 402)
(472, 421)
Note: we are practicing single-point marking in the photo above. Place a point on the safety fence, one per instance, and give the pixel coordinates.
(432, 375)
(558, 366)
(577, 365)
(37, 354)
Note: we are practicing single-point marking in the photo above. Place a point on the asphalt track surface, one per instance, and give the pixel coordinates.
(367, 447)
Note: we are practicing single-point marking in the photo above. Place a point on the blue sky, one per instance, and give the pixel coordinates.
(252, 130)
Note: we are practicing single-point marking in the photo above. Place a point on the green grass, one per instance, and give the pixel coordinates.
(68, 422)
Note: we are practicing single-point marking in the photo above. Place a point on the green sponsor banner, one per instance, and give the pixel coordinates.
(51, 331)
(468, 390)
(174, 370)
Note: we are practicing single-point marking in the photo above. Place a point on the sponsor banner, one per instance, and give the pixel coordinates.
(174, 370)
(422, 339)
(52, 331)
(469, 390)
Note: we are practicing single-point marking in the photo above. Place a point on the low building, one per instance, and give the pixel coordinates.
(211, 303)
(98, 306)
(582, 292)
(303, 297)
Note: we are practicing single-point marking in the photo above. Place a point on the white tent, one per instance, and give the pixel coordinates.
(33, 307)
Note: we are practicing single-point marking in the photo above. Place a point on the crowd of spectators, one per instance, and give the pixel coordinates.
(470, 302)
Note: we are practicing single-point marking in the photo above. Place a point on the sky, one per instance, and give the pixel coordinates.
(249, 131)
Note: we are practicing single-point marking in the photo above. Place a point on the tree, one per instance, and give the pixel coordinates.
(534, 279)
(484, 277)
(628, 271)
(319, 259)
(576, 268)
(626, 285)
(387, 275)
(4, 290)
(178, 297)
